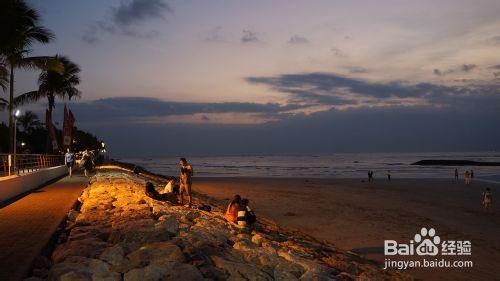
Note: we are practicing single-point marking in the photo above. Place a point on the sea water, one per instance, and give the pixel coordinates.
(345, 165)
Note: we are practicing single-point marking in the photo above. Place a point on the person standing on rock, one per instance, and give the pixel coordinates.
(69, 160)
(186, 181)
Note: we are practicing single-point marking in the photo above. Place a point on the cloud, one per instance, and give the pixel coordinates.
(249, 37)
(357, 69)
(338, 52)
(347, 92)
(495, 66)
(126, 20)
(296, 39)
(151, 110)
(460, 69)
(493, 40)
(214, 35)
(388, 129)
(137, 11)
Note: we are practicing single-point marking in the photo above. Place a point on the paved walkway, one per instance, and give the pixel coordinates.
(27, 224)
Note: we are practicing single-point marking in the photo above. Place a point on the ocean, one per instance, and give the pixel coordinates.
(344, 165)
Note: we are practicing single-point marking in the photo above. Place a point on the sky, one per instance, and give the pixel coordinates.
(278, 77)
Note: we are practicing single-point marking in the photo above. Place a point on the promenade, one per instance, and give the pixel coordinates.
(27, 224)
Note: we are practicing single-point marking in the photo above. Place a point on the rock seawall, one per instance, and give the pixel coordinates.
(120, 234)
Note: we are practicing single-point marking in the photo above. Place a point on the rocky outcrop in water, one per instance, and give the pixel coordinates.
(120, 234)
(442, 162)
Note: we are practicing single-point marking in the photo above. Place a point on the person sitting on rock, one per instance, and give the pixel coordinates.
(233, 208)
(171, 186)
(154, 194)
(246, 217)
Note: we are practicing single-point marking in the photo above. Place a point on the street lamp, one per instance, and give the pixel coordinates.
(17, 113)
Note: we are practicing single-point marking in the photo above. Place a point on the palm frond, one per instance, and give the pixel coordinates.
(28, 97)
(41, 62)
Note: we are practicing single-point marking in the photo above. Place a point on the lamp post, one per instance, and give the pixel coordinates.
(17, 113)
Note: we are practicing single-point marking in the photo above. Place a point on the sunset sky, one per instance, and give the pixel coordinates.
(281, 76)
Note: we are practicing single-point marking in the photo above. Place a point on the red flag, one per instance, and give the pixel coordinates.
(52, 130)
(69, 121)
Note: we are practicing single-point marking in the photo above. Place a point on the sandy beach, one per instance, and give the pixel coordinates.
(358, 216)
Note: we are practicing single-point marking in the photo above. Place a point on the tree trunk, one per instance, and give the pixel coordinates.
(11, 109)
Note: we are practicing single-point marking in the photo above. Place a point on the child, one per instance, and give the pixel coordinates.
(487, 199)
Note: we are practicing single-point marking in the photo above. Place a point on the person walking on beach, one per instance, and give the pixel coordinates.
(389, 175)
(87, 162)
(471, 174)
(370, 176)
(456, 174)
(487, 199)
(69, 159)
(186, 181)
(467, 177)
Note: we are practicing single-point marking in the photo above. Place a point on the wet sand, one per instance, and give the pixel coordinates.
(358, 216)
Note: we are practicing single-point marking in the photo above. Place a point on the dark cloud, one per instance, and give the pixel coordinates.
(334, 89)
(495, 66)
(456, 119)
(136, 11)
(249, 37)
(460, 69)
(330, 88)
(357, 69)
(468, 67)
(391, 129)
(126, 18)
(338, 52)
(214, 35)
(296, 39)
(129, 108)
(493, 40)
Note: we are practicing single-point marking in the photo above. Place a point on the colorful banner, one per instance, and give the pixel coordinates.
(52, 131)
(69, 121)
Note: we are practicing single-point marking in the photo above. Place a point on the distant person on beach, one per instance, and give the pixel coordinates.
(456, 174)
(186, 181)
(246, 217)
(388, 175)
(487, 199)
(467, 177)
(233, 208)
(370, 176)
(69, 159)
(471, 174)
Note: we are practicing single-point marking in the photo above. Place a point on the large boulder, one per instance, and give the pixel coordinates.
(89, 247)
(80, 268)
(159, 253)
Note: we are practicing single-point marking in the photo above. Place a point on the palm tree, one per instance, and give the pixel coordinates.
(19, 30)
(3, 83)
(54, 84)
(29, 121)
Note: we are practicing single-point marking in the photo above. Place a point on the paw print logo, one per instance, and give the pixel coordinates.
(428, 241)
